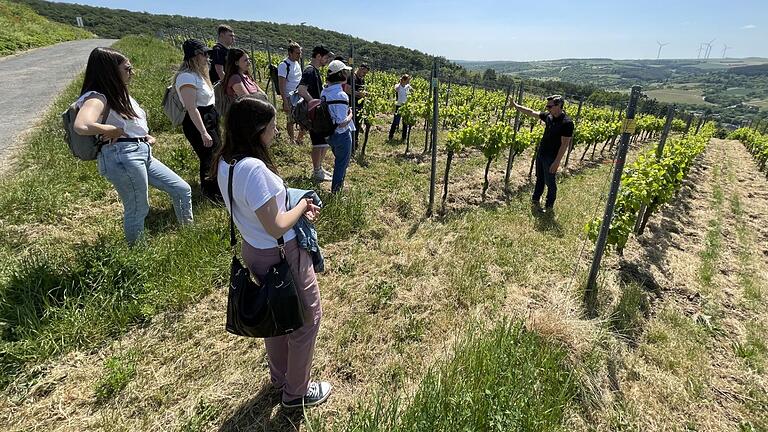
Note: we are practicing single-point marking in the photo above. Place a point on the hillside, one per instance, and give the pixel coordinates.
(481, 301)
(734, 88)
(21, 28)
(116, 23)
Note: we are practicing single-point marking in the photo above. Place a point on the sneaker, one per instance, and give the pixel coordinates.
(535, 206)
(327, 173)
(317, 393)
(320, 176)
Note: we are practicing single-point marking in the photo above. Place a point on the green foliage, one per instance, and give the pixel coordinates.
(652, 182)
(21, 28)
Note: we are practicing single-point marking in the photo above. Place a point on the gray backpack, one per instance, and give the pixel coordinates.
(172, 106)
(84, 147)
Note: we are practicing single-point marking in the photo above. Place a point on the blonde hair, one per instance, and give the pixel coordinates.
(195, 65)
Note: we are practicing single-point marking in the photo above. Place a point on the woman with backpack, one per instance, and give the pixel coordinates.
(341, 114)
(259, 210)
(237, 75)
(201, 121)
(125, 159)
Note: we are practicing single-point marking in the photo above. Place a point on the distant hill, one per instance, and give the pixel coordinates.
(21, 28)
(116, 23)
(614, 74)
(736, 89)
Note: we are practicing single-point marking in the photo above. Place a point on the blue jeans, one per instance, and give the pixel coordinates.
(341, 146)
(130, 167)
(544, 177)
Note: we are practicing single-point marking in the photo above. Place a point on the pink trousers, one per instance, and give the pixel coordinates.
(290, 356)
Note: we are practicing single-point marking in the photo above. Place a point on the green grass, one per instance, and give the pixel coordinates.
(710, 255)
(118, 372)
(21, 28)
(201, 418)
(628, 314)
(63, 290)
(502, 379)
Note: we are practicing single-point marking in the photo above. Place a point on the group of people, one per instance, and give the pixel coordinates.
(259, 203)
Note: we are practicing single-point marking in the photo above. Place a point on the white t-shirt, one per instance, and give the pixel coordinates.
(292, 76)
(402, 93)
(132, 128)
(253, 185)
(204, 94)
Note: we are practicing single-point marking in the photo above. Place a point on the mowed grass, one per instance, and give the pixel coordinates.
(678, 95)
(22, 29)
(397, 282)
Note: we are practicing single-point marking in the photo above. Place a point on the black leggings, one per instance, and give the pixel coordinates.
(208, 186)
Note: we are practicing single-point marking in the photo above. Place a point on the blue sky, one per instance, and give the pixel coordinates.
(511, 30)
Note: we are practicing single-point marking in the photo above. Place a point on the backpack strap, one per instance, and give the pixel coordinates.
(287, 69)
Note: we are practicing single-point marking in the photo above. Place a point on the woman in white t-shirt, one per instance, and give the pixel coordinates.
(201, 122)
(106, 109)
(261, 215)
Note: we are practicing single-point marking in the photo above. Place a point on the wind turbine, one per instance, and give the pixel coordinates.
(661, 45)
(701, 47)
(709, 48)
(725, 49)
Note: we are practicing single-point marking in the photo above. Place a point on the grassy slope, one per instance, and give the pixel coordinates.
(398, 288)
(68, 282)
(21, 28)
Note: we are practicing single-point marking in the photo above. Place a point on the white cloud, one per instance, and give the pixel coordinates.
(749, 26)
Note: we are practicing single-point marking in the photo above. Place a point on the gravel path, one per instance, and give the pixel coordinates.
(30, 81)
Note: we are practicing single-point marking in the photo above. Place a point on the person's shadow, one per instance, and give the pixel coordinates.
(259, 414)
(546, 222)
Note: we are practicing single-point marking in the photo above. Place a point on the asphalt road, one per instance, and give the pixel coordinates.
(29, 82)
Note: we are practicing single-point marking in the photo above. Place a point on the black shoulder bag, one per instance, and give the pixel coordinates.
(255, 309)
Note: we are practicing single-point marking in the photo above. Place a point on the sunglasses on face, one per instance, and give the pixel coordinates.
(129, 69)
(550, 106)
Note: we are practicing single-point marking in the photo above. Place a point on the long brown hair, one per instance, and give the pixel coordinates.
(247, 120)
(102, 74)
(231, 67)
(196, 65)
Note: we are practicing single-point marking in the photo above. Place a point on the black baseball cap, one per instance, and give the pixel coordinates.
(193, 47)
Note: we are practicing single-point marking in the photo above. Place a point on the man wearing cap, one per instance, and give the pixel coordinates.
(558, 132)
(310, 86)
(218, 55)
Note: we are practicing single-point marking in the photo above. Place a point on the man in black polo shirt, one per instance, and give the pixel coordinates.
(218, 53)
(360, 94)
(558, 133)
(310, 86)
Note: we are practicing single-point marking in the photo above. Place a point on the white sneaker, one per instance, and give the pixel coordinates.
(320, 176)
(327, 173)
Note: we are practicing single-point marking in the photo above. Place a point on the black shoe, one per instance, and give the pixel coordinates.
(549, 210)
(317, 393)
(214, 198)
(536, 206)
